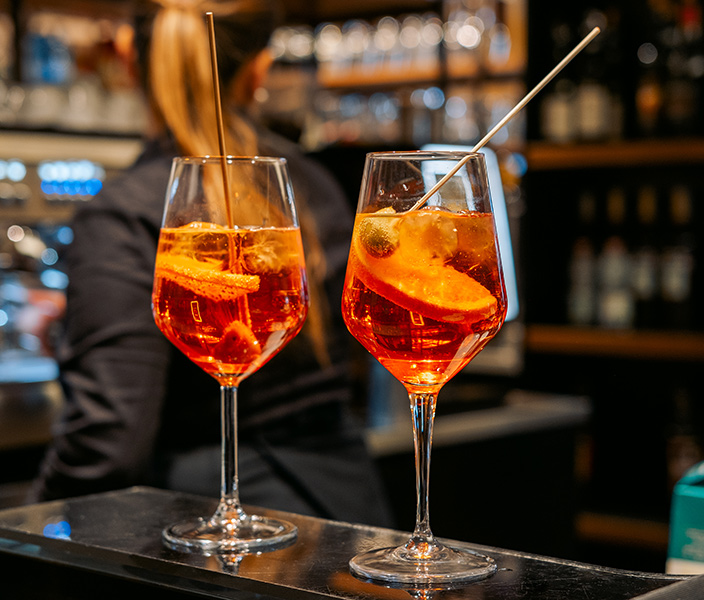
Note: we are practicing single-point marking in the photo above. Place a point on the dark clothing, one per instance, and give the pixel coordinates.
(139, 412)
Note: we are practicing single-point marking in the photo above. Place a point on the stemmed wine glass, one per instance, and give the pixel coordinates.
(230, 291)
(423, 293)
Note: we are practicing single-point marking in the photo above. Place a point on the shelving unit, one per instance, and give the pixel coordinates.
(545, 156)
(342, 102)
(641, 376)
(664, 346)
(576, 158)
(609, 364)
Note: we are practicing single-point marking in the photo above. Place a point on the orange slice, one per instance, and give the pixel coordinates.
(238, 345)
(212, 283)
(436, 291)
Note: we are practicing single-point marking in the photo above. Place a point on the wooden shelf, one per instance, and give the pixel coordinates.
(391, 76)
(622, 531)
(543, 156)
(382, 78)
(665, 345)
(105, 8)
(332, 10)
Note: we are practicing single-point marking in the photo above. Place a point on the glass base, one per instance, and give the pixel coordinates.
(251, 533)
(443, 565)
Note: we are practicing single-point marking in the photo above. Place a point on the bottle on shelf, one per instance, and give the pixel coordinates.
(557, 108)
(499, 46)
(596, 120)
(586, 104)
(646, 259)
(581, 298)
(463, 32)
(615, 61)
(649, 96)
(678, 262)
(693, 25)
(683, 445)
(7, 36)
(682, 44)
(615, 303)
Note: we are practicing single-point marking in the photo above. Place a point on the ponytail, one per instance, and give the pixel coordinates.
(181, 83)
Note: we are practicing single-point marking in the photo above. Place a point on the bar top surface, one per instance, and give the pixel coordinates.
(119, 534)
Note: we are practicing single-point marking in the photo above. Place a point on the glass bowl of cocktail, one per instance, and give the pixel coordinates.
(230, 291)
(424, 293)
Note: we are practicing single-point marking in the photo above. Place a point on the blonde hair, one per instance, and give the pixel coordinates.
(181, 77)
(180, 83)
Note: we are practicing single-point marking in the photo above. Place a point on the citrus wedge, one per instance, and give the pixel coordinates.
(437, 291)
(238, 345)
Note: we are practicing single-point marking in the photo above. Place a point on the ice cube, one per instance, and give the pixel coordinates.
(427, 236)
(265, 251)
(208, 242)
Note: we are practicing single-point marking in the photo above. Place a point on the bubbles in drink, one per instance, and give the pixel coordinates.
(202, 225)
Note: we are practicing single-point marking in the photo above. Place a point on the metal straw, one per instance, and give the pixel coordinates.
(527, 98)
(218, 114)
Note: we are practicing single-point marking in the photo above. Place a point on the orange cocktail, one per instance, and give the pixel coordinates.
(424, 291)
(229, 291)
(229, 299)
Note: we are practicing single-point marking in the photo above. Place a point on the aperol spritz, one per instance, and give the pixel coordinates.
(424, 293)
(230, 291)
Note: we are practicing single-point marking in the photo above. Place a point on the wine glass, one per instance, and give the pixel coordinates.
(230, 291)
(423, 293)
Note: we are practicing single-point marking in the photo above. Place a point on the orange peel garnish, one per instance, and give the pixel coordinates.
(209, 282)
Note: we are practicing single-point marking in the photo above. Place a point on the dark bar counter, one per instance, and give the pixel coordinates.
(109, 546)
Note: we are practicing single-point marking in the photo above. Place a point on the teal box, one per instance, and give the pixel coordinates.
(686, 546)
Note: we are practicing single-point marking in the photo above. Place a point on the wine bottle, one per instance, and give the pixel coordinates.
(677, 263)
(649, 92)
(645, 267)
(581, 297)
(680, 93)
(558, 121)
(593, 99)
(683, 445)
(615, 304)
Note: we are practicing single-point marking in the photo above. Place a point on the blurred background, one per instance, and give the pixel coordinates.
(572, 427)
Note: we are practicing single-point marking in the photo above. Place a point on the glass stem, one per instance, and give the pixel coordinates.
(423, 413)
(229, 507)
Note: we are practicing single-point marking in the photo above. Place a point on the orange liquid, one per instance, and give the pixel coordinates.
(424, 292)
(229, 299)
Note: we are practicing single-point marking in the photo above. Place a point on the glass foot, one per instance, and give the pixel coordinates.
(441, 565)
(251, 533)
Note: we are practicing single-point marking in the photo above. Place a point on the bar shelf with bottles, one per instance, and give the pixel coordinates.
(68, 67)
(629, 261)
(402, 78)
(631, 266)
(613, 259)
(71, 116)
(620, 139)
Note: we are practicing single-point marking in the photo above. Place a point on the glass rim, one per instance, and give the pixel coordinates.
(422, 154)
(229, 159)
